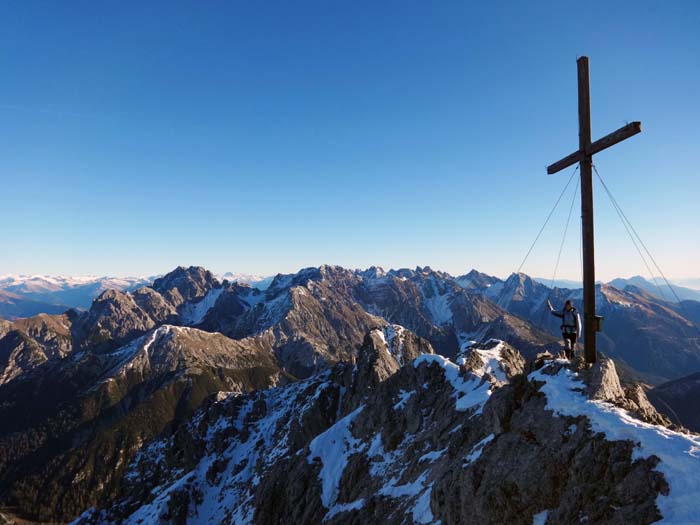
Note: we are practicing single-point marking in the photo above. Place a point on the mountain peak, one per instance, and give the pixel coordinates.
(185, 284)
(373, 272)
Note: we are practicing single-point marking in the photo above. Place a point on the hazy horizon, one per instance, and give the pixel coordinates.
(688, 282)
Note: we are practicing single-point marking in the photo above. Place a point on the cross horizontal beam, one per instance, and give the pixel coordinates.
(599, 145)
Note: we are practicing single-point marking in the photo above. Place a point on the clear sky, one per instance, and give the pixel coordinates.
(267, 136)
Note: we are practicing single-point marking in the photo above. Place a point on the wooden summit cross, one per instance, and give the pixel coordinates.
(584, 156)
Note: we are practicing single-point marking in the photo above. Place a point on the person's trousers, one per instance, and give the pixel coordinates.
(569, 344)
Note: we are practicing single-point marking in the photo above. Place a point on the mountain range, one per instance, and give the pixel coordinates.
(149, 402)
(35, 294)
(14, 306)
(30, 295)
(651, 339)
(62, 291)
(657, 286)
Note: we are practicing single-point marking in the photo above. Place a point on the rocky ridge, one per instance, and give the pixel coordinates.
(490, 440)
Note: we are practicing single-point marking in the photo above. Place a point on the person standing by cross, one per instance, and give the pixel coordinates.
(570, 326)
(584, 156)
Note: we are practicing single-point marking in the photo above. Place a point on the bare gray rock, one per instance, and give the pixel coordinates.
(114, 318)
(185, 284)
(155, 305)
(638, 402)
(603, 382)
(4, 327)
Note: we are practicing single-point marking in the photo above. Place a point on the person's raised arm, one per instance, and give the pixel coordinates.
(553, 311)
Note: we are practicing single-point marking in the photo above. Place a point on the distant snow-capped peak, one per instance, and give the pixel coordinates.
(256, 281)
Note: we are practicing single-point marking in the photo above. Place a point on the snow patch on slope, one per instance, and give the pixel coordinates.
(339, 508)
(393, 336)
(477, 449)
(492, 363)
(194, 313)
(333, 447)
(679, 453)
(470, 390)
(228, 497)
(136, 353)
(438, 306)
(418, 489)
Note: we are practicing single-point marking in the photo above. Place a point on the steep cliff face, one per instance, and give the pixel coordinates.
(488, 440)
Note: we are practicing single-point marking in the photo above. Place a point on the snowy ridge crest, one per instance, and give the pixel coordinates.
(679, 453)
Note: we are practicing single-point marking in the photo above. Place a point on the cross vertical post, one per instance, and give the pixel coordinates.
(584, 156)
(586, 163)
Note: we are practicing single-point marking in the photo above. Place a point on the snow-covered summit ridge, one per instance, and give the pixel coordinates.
(679, 453)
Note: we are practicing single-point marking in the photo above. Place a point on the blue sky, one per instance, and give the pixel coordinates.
(264, 137)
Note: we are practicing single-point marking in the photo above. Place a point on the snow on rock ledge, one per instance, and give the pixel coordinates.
(475, 376)
(679, 453)
(333, 447)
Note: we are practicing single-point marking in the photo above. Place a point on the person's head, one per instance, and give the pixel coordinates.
(568, 305)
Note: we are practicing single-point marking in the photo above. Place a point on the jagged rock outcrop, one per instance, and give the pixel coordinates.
(428, 442)
(117, 317)
(476, 281)
(4, 327)
(113, 319)
(28, 343)
(155, 305)
(603, 382)
(636, 401)
(185, 284)
(319, 316)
